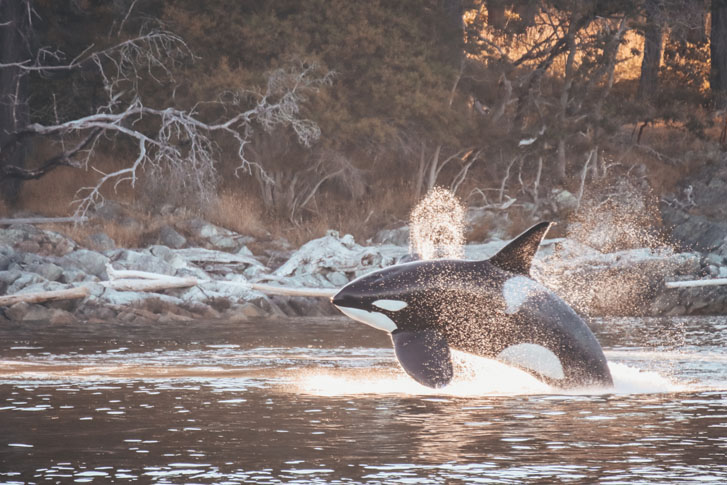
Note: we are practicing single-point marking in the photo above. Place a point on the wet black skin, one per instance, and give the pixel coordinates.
(462, 301)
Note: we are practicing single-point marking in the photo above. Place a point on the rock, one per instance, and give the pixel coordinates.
(211, 236)
(110, 211)
(25, 280)
(17, 311)
(95, 290)
(122, 298)
(202, 310)
(7, 278)
(28, 246)
(73, 275)
(60, 317)
(100, 241)
(24, 312)
(212, 260)
(565, 202)
(88, 261)
(7, 257)
(248, 310)
(664, 303)
(714, 259)
(332, 253)
(337, 278)
(49, 271)
(93, 311)
(57, 244)
(41, 286)
(141, 261)
(397, 237)
(170, 237)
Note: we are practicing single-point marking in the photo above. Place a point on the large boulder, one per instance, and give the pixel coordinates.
(141, 261)
(90, 262)
(28, 238)
(211, 236)
(311, 265)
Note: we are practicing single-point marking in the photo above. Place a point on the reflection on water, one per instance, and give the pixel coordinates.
(323, 401)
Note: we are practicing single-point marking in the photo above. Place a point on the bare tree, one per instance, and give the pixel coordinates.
(652, 50)
(177, 148)
(718, 45)
(15, 16)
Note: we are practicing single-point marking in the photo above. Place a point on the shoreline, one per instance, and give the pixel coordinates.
(622, 283)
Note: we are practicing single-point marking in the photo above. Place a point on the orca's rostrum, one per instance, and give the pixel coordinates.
(491, 308)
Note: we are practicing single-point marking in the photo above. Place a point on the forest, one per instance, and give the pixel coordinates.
(296, 116)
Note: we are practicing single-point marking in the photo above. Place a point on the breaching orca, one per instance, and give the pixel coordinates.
(491, 308)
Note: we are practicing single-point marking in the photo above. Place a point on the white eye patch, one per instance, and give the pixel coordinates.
(374, 319)
(391, 305)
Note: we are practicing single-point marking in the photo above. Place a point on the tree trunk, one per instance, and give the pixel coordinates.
(453, 10)
(14, 112)
(496, 13)
(652, 52)
(526, 11)
(697, 31)
(718, 75)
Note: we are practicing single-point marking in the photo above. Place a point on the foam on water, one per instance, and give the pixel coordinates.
(477, 376)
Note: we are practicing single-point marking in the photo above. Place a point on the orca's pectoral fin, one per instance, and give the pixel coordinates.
(424, 355)
(517, 256)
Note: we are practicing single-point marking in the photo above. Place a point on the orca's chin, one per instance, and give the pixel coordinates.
(374, 319)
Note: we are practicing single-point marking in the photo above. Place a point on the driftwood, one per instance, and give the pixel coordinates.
(201, 255)
(168, 283)
(69, 294)
(130, 280)
(42, 220)
(696, 283)
(287, 291)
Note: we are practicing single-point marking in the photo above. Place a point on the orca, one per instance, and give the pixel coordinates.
(490, 308)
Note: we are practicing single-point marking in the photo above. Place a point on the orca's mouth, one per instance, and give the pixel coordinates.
(343, 299)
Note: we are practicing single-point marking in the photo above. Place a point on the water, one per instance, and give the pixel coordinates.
(322, 401)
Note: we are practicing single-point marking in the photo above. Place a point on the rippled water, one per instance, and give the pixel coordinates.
(323, 401)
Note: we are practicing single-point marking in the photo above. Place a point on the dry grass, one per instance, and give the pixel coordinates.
(239, 212)
(385, 204)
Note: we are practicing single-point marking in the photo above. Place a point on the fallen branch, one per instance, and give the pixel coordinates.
(130, 280)
(696, 283)
(41, 296)
(168, 283)
(41, 220)
(287, 291)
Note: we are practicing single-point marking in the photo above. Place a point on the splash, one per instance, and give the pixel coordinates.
(614, 253)
(437, 226)
(616, 216)
(478, 377)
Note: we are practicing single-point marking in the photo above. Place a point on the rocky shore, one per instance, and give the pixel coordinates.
(35, 260)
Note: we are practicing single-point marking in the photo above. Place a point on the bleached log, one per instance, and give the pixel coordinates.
(167, 283)
(202, 255)
(41, 220)
(120, 274)
(696, 283)
(288, 291)
(130, 280)
(41, 296)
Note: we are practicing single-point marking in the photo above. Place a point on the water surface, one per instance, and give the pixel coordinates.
(323, 401)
